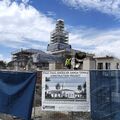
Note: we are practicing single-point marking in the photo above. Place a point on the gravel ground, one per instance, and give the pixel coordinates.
(43, 115)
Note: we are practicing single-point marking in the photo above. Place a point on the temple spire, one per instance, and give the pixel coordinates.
(59, 38)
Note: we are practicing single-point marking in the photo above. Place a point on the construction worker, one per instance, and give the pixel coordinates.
(68, 63)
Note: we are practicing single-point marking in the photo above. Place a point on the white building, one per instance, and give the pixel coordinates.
(107, 63)
(103, 63)
(65, 93)
(68, 93)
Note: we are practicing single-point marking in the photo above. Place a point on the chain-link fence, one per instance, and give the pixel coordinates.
(105, 94)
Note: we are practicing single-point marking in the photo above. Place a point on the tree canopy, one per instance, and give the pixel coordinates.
(3, 64)
(80, 55)
(57, 86)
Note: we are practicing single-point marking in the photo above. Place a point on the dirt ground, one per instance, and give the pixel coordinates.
(43, 115)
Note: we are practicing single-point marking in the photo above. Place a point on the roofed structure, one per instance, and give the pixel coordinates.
(32, 59)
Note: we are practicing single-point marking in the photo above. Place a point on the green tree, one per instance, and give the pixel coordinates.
(10, 64)
(57, 86)
(2, 65)
(46, 87)
(79, 87)
(47, 79)
(84, 85)
(80, 55)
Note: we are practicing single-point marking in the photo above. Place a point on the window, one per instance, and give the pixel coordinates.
(100, 65)
(107, 66)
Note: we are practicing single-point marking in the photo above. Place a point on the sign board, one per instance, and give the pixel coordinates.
(66, 91)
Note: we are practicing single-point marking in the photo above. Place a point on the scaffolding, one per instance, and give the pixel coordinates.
(59, 34)
(59, 38)
(105, 94)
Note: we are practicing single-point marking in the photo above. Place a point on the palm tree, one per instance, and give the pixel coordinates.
(46, 88)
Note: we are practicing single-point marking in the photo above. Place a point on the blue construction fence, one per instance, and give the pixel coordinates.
(17, 93)
(105, 94)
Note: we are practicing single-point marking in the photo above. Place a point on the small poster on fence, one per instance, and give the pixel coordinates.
(65, 91)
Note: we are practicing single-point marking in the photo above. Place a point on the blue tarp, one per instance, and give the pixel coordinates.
(17, 93)
(105, 94)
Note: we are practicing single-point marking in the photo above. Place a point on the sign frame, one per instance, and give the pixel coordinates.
(62, 103)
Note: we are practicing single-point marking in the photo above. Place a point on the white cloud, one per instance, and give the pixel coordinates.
(25, 1)
(111, 7)
(51, 14)
(1, 57)
(23, 26)
(95, 41)
(4, 58)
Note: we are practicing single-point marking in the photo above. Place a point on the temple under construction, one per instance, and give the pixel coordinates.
(59, 38)
(57, 51)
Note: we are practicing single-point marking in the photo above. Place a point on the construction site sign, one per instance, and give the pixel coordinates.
(66, 91)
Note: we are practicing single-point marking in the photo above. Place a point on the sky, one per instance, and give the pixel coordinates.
(93, 25)
(69, 82)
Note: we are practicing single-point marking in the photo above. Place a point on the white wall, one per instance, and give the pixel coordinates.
(52, 66)
(88, 64)
(113, 62)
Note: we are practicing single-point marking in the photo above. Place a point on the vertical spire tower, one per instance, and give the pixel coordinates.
(59, 38)
(59, 35)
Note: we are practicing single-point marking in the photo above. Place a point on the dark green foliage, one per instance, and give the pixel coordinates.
(46, 87)
(10, 64)
(80, 55)
(2, 65)
(79, 87)
(57, 86)
(84, 86)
